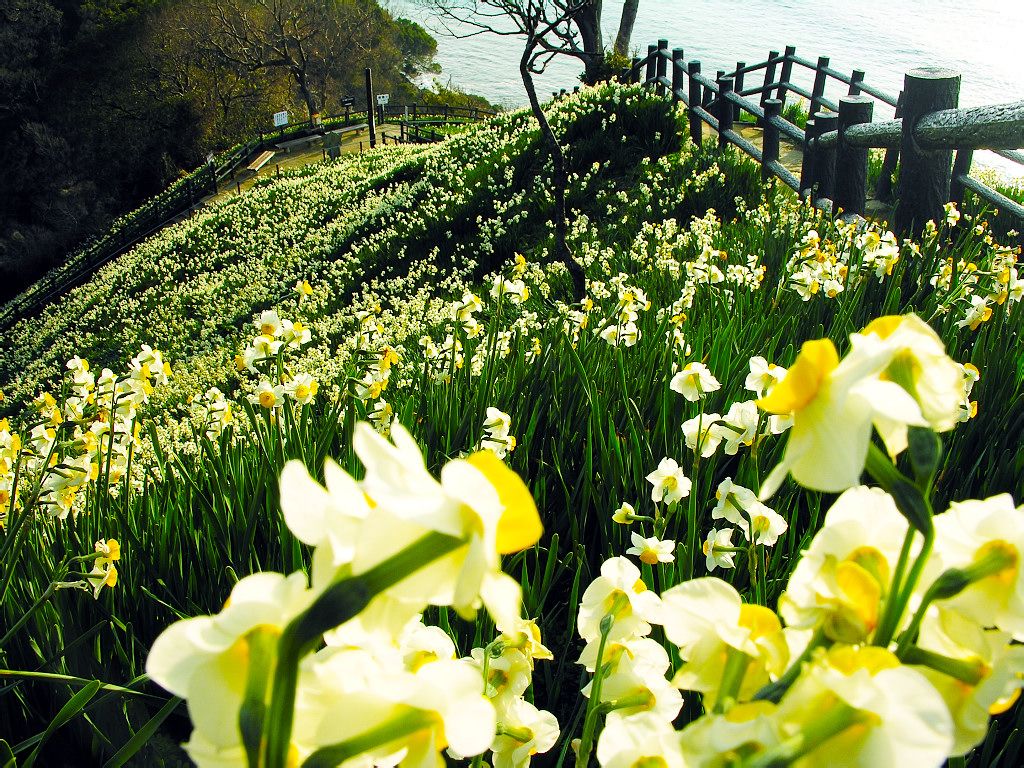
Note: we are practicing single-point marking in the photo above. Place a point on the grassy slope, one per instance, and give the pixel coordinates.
(410, 229)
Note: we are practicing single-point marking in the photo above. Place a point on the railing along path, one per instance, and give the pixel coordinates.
(931, 138)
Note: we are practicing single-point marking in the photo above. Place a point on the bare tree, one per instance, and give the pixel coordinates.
(626, 22)
(311, 40)
(549, 28)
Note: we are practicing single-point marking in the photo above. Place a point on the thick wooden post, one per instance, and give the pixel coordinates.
(678, 72)
(883, 190)
(961, 167)
(924, 174)
(738, 85)
(770, 140)
(724, 110)
(662, 67)
(769, 77)
(852, 162)
(810, 154)
(856, 78)
(369, 110)
(652, 63)
(696, 97)
(634, 70)
(818, 89)
(825, 157)
(787, 73)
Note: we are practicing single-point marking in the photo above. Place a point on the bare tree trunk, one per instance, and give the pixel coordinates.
(588, 22)
(560, 177)
(626, 23)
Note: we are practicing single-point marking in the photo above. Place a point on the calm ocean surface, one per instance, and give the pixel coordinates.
(982, 39)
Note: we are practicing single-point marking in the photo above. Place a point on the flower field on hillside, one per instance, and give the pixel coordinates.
(459, 511)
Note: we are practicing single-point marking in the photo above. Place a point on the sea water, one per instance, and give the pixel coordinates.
(981, 39)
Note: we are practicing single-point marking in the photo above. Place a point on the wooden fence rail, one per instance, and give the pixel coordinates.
(935, 139)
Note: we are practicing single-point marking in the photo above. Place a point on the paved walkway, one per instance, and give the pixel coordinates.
(297, 158)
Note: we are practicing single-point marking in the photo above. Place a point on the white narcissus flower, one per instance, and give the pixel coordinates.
(640, 740)
(708, 620)
(269, 324)
(833, 405)
(921, 366)
(747, 728)
(327, 519)
(205, 660)
(841, 579)
(739, 426)
(302, 388)
(763, 376)
(669, 483)
(625, 514)
(718, 549)
(479, 500)
(523, 731)
(651, 550)
(268, 395)
(347, 693)
(619, 588)
(973, 531)
(694, 382)
(882, 713)
(1000, 669)
(702, 433)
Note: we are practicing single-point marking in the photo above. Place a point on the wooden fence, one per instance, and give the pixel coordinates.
(932, 140)
(183, 196)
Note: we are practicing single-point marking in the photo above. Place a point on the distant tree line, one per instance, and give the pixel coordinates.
(105, 102)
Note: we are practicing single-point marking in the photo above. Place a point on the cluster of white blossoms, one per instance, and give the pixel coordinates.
(898, 634)
(341, 666)
(215, 412)
(497, 433)
(87, 439)
(621, 328)
(265, 354)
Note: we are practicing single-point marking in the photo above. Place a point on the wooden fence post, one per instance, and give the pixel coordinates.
(818, 89)
(924, 174)
(696, 124)
(678, 72)
(852, 162)
(652, 63)
(770, 140)
(883, 190)
(369, 111)
(825, 157)
(724, 111)
(961, 165)
(634, 70)
(737, 113)
(662, 67)
(769, 77)
(810, 155)
(856, 78)
(787, 74)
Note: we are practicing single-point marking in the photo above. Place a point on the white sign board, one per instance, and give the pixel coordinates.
(280, 118)
(383, 99)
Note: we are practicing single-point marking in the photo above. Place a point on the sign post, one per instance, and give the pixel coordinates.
(382, 101)
(280, 119)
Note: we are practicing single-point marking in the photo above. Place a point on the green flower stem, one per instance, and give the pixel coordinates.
(484, 671)
(644, 699)
(810, 737)
(887, 623)
(775, 691)
(262, 643)
(593, 703)
(969, 672)
(340, 602)
(396, 728)
(522, 735)
(736, 664)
